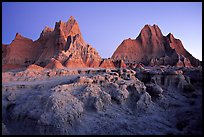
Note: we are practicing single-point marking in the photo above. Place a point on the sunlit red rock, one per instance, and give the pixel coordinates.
(62, 42)
(65, 44)
(152, 48)
(74, 62)
(34, 67)
(54, 64)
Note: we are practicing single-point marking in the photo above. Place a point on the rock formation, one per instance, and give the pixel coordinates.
(116, 96)
(54, 64)
(107, 63)
(34, 67)
(178, 46)
(4, 51)
(68, 47)
(152, 48)
(64, 43)
(21, 51)
(164, 100)
(119, 64)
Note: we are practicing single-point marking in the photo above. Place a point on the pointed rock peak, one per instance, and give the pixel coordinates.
(58, 25)
(60, 22)
(47, 29)
(66, 26)
(145, 31)
(170, 36)
(156, 27)
(151, 30)
(71, 18)
(69, 28)
(146, 26)
(18, 36)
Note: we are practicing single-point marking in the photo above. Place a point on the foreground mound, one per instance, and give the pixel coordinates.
(34, 67)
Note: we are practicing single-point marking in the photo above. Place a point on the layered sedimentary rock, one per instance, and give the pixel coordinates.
(152, 48)
(64, 43)
(21, 51)
(69, 46)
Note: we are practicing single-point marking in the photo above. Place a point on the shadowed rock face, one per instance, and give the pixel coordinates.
(152, 48)
(107, 63)
(178, 46)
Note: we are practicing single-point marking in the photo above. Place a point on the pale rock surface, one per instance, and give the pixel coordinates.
(103, 101)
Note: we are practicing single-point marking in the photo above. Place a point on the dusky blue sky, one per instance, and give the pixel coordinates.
(104, 25)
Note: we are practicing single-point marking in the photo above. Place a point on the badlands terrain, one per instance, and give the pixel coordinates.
(59, 84)
(103, 101)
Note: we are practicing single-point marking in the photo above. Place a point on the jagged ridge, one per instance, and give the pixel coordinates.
(151, 48)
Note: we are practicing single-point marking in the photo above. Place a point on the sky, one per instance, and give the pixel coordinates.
(104, 25)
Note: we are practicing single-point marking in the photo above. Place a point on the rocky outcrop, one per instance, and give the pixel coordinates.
(4, 130)
(54, 64)
(179, 48)
(21, 51)
(107, 63)
(4, 51)
(152, 48)
(120, 64)
(64, 42)
(154, 89)
(139, 49)
(94, 98)
(34, 67)
(75, 62)
(84, 101)
(70, 48)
